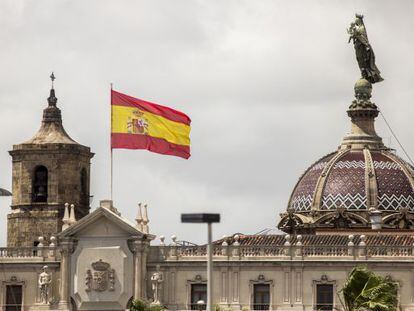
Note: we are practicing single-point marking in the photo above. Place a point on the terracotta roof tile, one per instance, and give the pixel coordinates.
(332, 240)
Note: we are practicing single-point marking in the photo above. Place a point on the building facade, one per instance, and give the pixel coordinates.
(353, 206)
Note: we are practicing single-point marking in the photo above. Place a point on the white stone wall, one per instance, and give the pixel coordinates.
(27, 274)
(292, 284)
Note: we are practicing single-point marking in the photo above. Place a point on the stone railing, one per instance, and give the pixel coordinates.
(287, 251)
(41, 252)
(331, 251)
(19, 252)
(393, 251)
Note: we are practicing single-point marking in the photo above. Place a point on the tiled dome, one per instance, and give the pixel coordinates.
(363, 185)
(343, 179)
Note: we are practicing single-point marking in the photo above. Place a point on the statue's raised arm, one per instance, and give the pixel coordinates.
(364, 53)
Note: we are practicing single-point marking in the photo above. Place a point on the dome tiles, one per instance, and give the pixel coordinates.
(341, 179)
(362, 186)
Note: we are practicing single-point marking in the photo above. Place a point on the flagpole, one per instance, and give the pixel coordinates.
(110, 147)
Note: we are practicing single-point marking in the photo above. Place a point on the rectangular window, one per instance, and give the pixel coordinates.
(261, 296)
(198, 293)
(14, 295)
(324, 297)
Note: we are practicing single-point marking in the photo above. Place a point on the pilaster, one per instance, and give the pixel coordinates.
(67, 247)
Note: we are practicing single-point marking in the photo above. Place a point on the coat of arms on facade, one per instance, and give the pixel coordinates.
(102, 277)
(137, 123)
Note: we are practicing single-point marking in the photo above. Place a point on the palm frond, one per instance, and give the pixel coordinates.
(365, 290)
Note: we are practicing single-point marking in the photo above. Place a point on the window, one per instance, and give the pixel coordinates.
(324, 297)
(84, 195)
(14, 295)
(261, 296)
(84, 182)
(198, 292)
(40, 184)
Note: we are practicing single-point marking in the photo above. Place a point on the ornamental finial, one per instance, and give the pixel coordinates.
(52, 100)
(52, 77)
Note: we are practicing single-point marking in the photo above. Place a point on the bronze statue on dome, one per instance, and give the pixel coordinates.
(364, 53)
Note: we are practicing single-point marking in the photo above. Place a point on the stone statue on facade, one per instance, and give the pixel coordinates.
(157, 279)
(45, 280)
(364, 53)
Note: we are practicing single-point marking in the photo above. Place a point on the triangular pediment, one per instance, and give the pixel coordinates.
(102, 222)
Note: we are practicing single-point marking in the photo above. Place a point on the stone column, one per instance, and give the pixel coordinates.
(140, 250)
(145, 251)
(66, 249)
(137, 250)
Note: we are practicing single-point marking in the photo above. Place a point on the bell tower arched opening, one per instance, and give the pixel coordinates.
(40, 184)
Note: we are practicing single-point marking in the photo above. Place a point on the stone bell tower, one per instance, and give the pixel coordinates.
(48, 170)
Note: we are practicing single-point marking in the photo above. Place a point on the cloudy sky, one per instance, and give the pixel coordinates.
(266, 83)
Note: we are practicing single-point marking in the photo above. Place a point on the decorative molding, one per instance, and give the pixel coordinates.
(403, 219)
(13, 280)
(198, 279)
(341, 218)
(286, 287)
(261, 279)
(223, 286)
(298, 286)
(324, 280)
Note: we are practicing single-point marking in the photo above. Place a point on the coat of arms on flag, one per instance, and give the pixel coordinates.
(138, 124)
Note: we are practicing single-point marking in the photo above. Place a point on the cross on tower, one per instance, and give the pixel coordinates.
(52, 77)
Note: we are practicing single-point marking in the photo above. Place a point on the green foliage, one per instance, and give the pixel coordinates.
(140, 305)
(155, 308)
(217, 307)
(365, 290)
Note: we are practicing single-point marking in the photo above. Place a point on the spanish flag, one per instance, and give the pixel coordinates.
(138, 124)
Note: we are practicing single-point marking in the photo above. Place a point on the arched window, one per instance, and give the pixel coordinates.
(84, 182)
(40, 184)
(84, 186)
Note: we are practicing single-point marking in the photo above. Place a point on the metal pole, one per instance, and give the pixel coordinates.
(110, 146)
(209, 269)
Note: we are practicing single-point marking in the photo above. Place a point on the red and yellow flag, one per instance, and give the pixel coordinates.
(138, 124)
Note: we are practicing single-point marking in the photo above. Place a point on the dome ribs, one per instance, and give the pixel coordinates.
(395, 185)
(320, 185)
(301, 198)
(371, 188)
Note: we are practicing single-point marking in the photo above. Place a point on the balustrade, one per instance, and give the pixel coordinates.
(19, 252)
(392, 251)
(324, 250)
(29, 253)
(250, 252)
